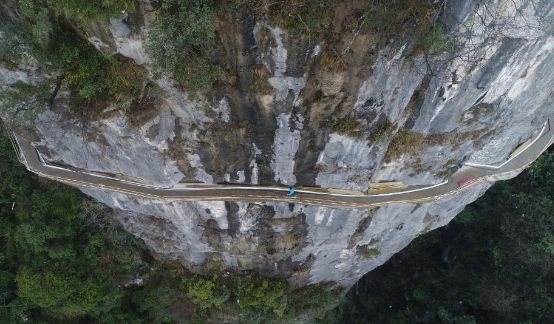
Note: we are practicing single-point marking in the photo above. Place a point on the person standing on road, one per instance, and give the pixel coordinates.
(292, 191)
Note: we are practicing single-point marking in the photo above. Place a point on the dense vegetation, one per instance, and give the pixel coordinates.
(65, 258)
(299, 16)
(492, 264)
(91, 74)
(52, 261)
(47, 36)
(182, 40)
(436, 41)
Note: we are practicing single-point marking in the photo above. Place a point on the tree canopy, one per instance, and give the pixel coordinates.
(493, 263)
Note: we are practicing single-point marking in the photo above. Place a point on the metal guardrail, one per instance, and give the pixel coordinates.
(23, 148)
(16, 148)
(545, 128)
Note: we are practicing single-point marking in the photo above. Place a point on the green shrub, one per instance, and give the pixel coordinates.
(52, 262)
(304, 16)
(390, 17)
(245, 123)
(87, 71)
(77, 10)
(199, 74)
(369, 252)
(158, 300)
(62, 51)
(6, 284)
(436, 41)
(405, 142)
(383, 130)
(349, 126)
(180, 40)
(299, 15)
(264, 296)
(312, 301)
(204, 292)
(14, 43)
(290, 238)
(62, 292)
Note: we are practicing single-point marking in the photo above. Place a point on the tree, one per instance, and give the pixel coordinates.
(493, 263)
(181, 40)
(204, 292)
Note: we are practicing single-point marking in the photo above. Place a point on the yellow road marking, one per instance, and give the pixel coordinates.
(309, 201)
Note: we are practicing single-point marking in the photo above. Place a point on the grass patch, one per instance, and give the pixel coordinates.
(412, 143)
(405, 142)
(181, 41)
(290, 238)
(395, 16)
(436, 41)
(70, 60)
(449, 168)
(88, 73)
(319, 167)
(332, 61)
(245, 123)
(384, 129)
(77, 11)
(349, 126)
(302, 16)
(255, 299)
(367, 252)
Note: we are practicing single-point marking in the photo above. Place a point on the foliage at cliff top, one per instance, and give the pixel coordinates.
(45, 38)
(349, 126)
(78, 10)
(307, 17)
(91, 74)
(436, 41)
(181, 41)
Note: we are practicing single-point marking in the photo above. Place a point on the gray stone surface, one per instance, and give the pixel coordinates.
(476, 104)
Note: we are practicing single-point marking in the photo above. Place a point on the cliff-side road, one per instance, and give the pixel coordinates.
(470, 174)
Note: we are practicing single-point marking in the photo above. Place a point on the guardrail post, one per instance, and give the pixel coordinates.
(16, 148)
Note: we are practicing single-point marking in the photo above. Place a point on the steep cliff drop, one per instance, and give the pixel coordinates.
(361, 96)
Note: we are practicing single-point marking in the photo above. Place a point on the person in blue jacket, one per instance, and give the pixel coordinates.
(292, 191)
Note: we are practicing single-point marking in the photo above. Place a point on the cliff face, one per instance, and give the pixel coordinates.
(341, 107)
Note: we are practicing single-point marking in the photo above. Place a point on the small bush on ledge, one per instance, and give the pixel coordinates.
(181, 39)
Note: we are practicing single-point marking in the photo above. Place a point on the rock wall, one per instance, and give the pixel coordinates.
(342, 108)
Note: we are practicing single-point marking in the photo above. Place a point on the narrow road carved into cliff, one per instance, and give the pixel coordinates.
(470, 174)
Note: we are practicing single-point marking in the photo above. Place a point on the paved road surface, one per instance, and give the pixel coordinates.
(468, 175)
